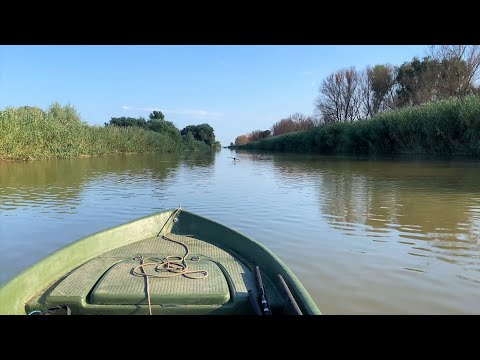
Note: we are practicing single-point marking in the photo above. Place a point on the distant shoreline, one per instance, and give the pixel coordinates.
(30, 133)
(438, 129)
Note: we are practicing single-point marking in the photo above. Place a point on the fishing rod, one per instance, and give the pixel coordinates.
(265, 307)
(292, 306)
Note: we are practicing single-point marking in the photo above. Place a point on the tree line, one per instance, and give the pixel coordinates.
(349, 95)
(158, 123)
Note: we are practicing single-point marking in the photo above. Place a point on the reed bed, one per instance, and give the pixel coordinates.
(28, 133)
(447, 127)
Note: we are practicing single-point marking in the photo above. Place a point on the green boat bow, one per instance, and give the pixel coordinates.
(173, 262)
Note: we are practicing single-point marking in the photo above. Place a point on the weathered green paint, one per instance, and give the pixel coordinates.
(36, 279)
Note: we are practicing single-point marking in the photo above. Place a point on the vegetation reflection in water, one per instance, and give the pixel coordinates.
(439, 202)
(59, 181)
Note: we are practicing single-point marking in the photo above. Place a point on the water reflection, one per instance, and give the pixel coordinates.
(417, 201)
(58, 182)
(45, 205)
(202, 159)
(362, 236)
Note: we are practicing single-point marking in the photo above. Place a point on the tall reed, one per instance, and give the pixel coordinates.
(447, 127)
(31, 133)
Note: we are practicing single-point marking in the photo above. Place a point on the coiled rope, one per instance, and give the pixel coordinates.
(172, 265)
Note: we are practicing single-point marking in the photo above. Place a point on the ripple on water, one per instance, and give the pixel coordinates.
(362, 236)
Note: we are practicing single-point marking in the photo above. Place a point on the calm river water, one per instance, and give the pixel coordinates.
(364, 237)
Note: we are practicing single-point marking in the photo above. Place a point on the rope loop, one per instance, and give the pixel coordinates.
(168, 267)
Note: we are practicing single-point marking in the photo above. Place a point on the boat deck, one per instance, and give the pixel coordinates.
(107, 284)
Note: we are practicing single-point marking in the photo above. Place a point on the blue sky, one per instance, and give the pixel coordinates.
(235, 89)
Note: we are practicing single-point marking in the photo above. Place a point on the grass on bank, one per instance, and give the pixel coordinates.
(447, 127)
(31, 133)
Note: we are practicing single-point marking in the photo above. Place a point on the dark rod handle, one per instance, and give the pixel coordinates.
(258, 276)
(254, 303)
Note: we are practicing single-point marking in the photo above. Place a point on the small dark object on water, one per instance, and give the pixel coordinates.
(234, 158)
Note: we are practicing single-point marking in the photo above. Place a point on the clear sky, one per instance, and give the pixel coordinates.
(235, 89)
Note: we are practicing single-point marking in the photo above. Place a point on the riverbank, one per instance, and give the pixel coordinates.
(448, 127)
(29, 133)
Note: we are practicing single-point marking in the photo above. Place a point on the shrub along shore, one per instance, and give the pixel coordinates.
(28, 133)
(447, 127)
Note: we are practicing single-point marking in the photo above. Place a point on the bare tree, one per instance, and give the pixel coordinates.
(460, 68)
(366, 93)
(340, 97)
(330, 103)
(351, 95)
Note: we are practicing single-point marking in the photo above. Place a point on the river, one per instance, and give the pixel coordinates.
(363, 236)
